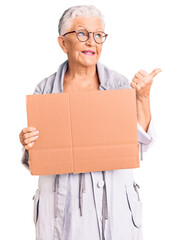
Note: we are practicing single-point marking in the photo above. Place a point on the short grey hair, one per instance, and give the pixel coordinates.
(72, 12)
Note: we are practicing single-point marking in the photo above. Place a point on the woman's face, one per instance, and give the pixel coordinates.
(73, 47)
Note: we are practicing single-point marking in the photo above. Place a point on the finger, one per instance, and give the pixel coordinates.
(25, 136)
(28, 129)
(143, 73)
(134, 85)
(31, 134)
(155, 72)
(29, 146)
(136, 80)
(29, 140)
(139, 76)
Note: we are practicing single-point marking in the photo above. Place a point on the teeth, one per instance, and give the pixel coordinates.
(88, 52)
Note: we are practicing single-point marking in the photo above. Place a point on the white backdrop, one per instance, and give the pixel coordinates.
(142, 35)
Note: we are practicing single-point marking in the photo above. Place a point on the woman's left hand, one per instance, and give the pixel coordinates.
(142, 82)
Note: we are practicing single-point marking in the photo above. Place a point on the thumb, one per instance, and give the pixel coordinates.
(155, 72)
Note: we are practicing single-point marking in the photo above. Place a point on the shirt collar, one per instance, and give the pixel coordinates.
(58, 84)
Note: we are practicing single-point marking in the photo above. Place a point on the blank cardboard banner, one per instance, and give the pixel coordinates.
(83, 131)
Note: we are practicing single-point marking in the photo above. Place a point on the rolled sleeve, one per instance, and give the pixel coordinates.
(146, 139)
(24, 158)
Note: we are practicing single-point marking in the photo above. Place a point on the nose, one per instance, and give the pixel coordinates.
(91, 39)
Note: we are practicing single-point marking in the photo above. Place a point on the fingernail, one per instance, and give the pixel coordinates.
(34, 128)
(37, 131)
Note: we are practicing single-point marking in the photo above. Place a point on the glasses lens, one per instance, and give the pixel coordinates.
(82, 35)
(99, 37)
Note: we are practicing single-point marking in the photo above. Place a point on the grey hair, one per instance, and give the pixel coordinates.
(72, 12)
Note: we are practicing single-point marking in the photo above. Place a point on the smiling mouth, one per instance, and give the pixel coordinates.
(88, 53)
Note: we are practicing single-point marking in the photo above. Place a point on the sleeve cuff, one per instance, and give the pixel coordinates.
(24, 158)
(146, 139)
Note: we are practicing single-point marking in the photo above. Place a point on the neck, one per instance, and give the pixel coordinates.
(77, 72)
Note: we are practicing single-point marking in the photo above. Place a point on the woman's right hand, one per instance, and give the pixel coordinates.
(28, 136)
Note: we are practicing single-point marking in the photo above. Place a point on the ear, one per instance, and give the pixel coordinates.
(61, 42)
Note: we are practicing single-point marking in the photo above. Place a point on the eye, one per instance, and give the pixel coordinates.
(99, 35)
(81, 34)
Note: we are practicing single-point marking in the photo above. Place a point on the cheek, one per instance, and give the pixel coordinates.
(99, 50)
(76, 48)
(73, 46)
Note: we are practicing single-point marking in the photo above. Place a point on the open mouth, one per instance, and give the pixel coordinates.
(88, 52)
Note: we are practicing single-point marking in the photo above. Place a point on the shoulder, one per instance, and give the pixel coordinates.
(114, 78)
(39, 89)
(47, 84)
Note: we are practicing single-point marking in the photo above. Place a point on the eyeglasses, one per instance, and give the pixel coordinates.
(83, 35)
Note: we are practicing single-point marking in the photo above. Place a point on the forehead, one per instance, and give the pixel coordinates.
(90, 23)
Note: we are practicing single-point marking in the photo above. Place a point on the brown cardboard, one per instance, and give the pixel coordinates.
(83, 131)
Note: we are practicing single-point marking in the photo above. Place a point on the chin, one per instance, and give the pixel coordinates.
(89, 62)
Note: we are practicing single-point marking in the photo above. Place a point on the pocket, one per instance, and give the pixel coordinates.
(134, 203)
(36, 198)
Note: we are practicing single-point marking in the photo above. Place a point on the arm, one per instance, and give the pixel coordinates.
(142, 82)
(146, 133)
(143, 113)
(145, 125)
(146, 139)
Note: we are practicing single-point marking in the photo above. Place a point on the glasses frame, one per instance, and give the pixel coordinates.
(77, 31)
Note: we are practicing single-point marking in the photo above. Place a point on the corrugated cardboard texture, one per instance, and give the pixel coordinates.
(83, 131)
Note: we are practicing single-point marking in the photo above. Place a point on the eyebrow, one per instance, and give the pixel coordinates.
(100, 29)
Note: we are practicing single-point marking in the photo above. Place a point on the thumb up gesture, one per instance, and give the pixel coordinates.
(142, 82)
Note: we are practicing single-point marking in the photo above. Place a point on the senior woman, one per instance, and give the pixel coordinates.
(95, 205)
